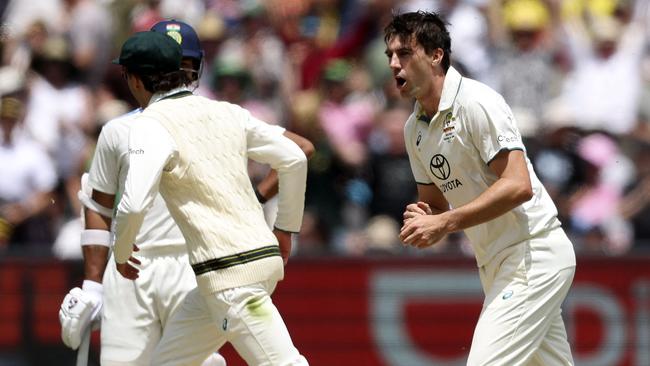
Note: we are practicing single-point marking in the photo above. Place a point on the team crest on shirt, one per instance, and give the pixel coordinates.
(449, 127)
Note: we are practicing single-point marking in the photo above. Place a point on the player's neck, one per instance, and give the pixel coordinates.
(431, 100)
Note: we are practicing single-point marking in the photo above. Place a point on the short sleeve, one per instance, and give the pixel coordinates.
(104, 169)
(492, 127)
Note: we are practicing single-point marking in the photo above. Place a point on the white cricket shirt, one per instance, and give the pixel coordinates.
(108, 174)
(453, 150)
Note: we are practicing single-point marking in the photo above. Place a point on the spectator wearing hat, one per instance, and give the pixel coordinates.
(27, 179)
(603, 89)
(523, 69)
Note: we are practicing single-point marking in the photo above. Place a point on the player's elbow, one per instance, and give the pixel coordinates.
(523, 193)
(307, 148)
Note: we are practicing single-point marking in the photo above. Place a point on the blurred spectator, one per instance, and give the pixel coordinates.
(319, 69)
(345, 117)
(469, 30)
(88, 28)
(59, 113)
(27, 179)
(606, 52)
(635, 205)
(595, 215)
(391, 181)
(523, 70)
(145, 14)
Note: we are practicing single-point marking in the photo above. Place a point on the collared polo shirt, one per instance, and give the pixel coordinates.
(453, 149)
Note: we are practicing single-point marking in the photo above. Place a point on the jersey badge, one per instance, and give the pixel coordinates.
(174, 31)
(449, 127)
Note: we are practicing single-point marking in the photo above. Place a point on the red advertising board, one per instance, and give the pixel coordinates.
(422, 312)
(380, 311)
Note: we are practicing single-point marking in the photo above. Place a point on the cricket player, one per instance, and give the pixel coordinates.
(472, 174)
(133, 324)
(195, 152)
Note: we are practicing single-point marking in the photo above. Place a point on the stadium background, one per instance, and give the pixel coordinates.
(576, 73)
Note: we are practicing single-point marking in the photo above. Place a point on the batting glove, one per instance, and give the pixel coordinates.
(80, 309)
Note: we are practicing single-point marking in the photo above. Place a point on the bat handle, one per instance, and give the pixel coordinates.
(82, 353)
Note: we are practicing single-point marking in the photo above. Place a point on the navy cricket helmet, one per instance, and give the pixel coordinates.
(184, 34)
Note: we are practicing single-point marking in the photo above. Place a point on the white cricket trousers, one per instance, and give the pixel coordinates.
(521, 321)
(135, 312)
(244, 316)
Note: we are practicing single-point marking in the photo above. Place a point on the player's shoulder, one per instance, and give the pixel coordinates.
(121, 122)
(474, 92)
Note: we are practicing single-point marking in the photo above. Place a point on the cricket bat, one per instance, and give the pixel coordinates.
(82, 352)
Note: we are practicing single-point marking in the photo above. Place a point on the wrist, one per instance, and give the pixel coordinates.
(93, 287)
(259, 196)
(450, 221)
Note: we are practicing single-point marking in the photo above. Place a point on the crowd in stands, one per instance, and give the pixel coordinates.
(575, 72)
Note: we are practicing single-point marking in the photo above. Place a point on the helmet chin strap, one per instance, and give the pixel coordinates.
(195, 83)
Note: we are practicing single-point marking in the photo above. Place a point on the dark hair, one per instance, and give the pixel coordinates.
(428, 28)
(155, 83)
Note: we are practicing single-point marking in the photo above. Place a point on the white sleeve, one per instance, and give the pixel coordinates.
(150, 150)
(267, 144)
(492, 127)
(104, 169)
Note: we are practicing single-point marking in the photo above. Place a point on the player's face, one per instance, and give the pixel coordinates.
(188, 64)
(411, 66)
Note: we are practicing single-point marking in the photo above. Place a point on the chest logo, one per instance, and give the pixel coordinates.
(449, 127)
(417, 141)
(439, 167)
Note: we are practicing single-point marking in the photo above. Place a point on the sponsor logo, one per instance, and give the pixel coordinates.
(508, 138)
(450, 185)
(72, 303)
(439, 167)
(507, 294)
(136, 151)
(417, 141)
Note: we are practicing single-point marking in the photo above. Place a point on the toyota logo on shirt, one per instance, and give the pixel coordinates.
(439, 167)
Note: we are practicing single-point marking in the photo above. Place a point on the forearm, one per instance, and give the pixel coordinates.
(268, 187)
(501, 197)
(95, 247)
(95, 259)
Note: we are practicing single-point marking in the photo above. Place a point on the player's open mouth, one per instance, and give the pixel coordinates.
(400, 82)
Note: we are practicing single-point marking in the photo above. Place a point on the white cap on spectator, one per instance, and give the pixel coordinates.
(11, 80)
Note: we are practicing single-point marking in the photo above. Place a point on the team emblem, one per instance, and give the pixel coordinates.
(449, 127)
(174, 31)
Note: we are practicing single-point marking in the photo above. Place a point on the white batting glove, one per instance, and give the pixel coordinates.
(80, 309)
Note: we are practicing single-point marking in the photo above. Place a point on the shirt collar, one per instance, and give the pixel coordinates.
(162, 95)
(450, 89)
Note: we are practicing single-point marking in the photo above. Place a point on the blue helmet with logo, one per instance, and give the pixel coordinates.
(184, 34)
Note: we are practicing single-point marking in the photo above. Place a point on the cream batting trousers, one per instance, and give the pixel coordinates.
(521, 322)
(244, 316)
